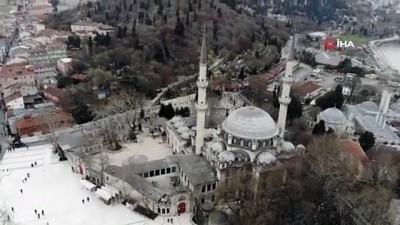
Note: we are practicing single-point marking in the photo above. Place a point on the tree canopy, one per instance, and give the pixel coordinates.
(367, 140)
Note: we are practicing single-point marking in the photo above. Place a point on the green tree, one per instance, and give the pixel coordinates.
(169, 111)
(367, 140)
(101, 77)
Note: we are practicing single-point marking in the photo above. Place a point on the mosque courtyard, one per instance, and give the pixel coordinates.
(55, 189)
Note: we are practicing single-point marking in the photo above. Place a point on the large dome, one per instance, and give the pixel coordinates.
(250, 123)
(333, 116)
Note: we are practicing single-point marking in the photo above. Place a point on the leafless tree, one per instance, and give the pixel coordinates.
(334, 170)
(213, 109)
(53, 121)
(248, 199)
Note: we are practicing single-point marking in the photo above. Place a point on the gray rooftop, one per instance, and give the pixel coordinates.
(197, 169)
(327, 59)
(139, 183)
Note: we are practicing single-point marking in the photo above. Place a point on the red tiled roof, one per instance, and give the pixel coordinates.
(16, 70)
(306, 88)
(355, 150)
(32, 124)
(55, 92)
(79, 76)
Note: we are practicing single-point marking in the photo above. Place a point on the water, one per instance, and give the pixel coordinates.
(391, 50)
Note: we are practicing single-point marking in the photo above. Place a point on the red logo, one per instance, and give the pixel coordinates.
(330, 43)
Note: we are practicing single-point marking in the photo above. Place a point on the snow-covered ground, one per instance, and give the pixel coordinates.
(146, 149)
(53, 187)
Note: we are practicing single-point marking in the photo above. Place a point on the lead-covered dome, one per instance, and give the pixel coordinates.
(250, 123)
(226, 157)
(332, 116)
(265, 158)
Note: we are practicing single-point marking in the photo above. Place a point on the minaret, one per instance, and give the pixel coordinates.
(287, 81)
(201, 105)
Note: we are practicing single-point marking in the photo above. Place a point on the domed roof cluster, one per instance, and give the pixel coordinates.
(333, 116)
(250, 123)
(181, 127)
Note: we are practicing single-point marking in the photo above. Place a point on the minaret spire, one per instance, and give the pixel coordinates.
(287, 81)
(201, 105)
(203, 54)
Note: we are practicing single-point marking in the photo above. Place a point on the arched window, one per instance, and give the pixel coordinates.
(163, 211)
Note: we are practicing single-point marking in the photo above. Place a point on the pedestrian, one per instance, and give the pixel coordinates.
(35, 211)
(35, 163)
(20, 190)
(12, 209)
(83, 201)
(8, 217)
(42, 212)
(87, 199)
(172, 221)
(168, 220)
(25, 179)
(31, 164)
(38, 216)
(28, 174)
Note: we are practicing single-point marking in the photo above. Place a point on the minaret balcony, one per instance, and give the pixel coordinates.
(285, 100)
(201, 107)
(202, 84)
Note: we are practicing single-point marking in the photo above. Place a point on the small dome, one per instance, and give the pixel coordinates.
(288, 146)
(332, 116)
(300, 147)
(226, 157)
(218, 218)
(182, 130)
(250, 123)
(265, 158)
(218, 147)
(185, 135)
(175, 119)
(179, 124)
(368, 107)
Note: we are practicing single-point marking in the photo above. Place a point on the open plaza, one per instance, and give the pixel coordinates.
(55, 189)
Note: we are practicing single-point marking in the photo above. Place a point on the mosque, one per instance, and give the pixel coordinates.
(203, 159)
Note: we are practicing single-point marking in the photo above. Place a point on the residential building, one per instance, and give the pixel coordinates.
(30, 125)
(17, 73)
(40, 9)
(19, 50)
(48, 55)
(54, 94)
(64, 65)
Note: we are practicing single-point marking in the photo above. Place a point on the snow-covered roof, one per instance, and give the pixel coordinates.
(185, 135)
(265, 158)
(333, 116)
(218, 147)
(288, 146)
(250, 123)
(88, 185)
(226, 157)
(103, 194)
(183, 129)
